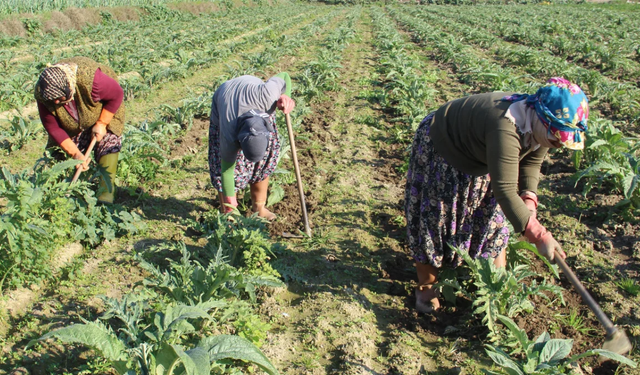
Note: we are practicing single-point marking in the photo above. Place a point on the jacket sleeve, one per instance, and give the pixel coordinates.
(108, 91)
(530, 170)
(51, 124)
(503, 153)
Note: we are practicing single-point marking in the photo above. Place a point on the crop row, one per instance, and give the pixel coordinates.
(608, 44)
(145, 56)
(35, 6)
(511, 74)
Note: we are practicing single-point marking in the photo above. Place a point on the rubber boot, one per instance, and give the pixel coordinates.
(110, 163)
(259, 199)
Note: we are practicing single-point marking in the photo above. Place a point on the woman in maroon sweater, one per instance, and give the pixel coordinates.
(79, 99)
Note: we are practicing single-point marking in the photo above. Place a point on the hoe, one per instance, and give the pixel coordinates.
(86, 154)
(307, 228)
(616, 340)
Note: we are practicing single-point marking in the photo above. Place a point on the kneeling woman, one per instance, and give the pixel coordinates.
(79, 99)
(243, 138)
(476, 162)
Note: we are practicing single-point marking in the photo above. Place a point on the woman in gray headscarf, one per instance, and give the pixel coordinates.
(243, 138)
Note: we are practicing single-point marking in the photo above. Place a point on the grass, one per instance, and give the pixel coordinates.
(629, 285)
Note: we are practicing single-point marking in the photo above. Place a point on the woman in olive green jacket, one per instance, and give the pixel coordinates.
(475, 164)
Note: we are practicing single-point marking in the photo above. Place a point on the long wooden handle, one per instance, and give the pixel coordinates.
(296, 166)
(586, 297)
(86, 154)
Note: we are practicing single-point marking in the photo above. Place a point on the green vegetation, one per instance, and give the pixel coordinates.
(544, 355)
(34, 6)
(167, 285)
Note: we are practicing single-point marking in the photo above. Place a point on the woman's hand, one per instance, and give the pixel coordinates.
(286, 104)
(544, 241)
(229, 204)
(548, 246)
(80, 156)
(99, 130)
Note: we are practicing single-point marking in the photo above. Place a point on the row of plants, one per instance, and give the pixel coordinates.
(511, 70)
(407, 84)
(43, 211)
(194, 312)
(142, 56)
(605, 42)
(8, 7)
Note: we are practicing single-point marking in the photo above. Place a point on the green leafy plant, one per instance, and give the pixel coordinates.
(544, 356)
(21, 132)
(575, 321)
(500, 290)
(159, 346)
(43, 211)
(243, 241)
(187, 281)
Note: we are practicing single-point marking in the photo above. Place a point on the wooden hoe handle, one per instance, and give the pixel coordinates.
(86, 154)
(296, 166)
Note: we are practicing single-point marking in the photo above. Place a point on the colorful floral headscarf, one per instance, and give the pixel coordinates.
(562, 107)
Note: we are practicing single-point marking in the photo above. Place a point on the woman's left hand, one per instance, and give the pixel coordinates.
(99, 130)
(286, 104)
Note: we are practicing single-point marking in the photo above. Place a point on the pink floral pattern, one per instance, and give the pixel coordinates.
(245, 172)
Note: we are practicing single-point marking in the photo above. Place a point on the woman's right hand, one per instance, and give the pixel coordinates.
(549, 247)
(545, 243)
(229, 204)
(286, 104)
(80, 156)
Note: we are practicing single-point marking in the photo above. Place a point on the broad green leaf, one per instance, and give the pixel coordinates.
(502, 359)
(518, 333)
(96, 337)
(166, 358)
(275, 195)
(556, 350)
(235, 347)
(607, 354)
(195, 361)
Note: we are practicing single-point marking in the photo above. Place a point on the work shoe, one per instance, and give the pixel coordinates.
(110, 163)
(262, 211)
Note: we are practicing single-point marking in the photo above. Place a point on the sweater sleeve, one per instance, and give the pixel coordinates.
(51, 124)
(228, 178)
(287, 81)
(107, 90)
(503, 152)
(271, 91)
(530, 170)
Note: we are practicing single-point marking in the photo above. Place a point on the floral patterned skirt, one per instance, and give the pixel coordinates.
(245, 172)
(110, 144)
(445, 206)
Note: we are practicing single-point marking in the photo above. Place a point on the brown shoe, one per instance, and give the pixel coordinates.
(427, 299)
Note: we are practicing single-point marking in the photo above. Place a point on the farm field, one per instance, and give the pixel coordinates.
(160, 277)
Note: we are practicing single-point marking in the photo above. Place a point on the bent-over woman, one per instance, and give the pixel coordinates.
(243, 137)
(79, 99)
(475, 163)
